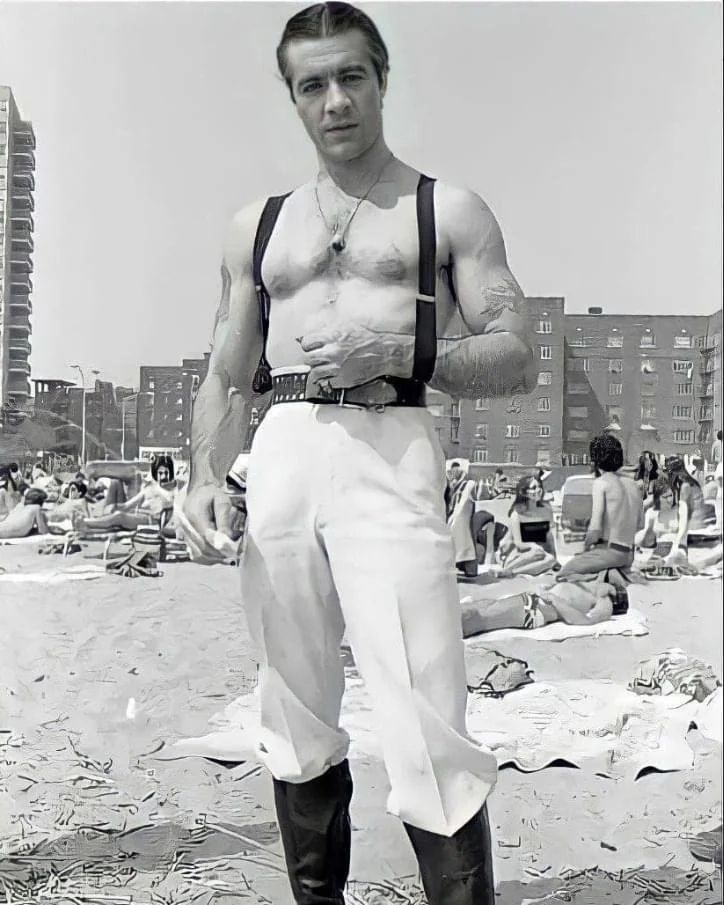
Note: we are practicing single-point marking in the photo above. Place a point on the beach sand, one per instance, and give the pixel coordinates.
(96, 675)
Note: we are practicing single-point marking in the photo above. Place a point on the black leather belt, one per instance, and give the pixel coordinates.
(292, 387)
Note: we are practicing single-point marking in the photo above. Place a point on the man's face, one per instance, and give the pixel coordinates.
(336, 93)
(455, 473)
(163, 475)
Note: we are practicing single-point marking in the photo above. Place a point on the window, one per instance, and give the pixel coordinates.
(544, 430)
(455, 409)
(648, 341)
(544, 327)
(578, 459)
(512, 431)
(581, 342)
(682, 342)
(683, 436)
(684, 389)
(577, 435)
(681, 366)
(511, 454)
(3, 105)
(614, 413)
(545, 378)
(179, 384)
(480, 455)
(179, 417)
(578, 389)
(436, 410)
(543, 456)
(544, 404)
(705, 413)
(648, 410)
(681, 411)
(615, 389)
(455, 430)
(648, 389)
(3, 128)
(578, 411)
(482, 405)
(615, 341)
(579, 364)
(481, 431)
(648, 366)
(615, 366)
(546, 353)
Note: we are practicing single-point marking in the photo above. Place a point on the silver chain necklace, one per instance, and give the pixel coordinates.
(338, 242)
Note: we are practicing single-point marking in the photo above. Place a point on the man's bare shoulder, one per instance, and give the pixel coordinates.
(461, 212)
(239, 241)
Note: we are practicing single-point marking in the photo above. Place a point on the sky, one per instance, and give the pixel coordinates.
(593, 131)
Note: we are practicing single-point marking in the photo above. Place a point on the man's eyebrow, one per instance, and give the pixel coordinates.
(351, 69)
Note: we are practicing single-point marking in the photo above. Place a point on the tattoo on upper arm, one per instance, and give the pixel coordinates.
(222, 313)
(503, 296)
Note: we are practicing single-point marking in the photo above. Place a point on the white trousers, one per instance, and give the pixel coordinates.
(346, 528)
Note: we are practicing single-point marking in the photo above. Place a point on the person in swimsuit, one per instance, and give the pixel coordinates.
(692, 510)
(27, 518)
(660, 499)
(585, 603)
(152, 505)
(529, 548)
(648, 472)
(617, 514)
(363, 286)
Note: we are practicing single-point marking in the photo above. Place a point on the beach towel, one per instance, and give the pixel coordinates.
(675, 672)
(54, 576)
(597, 726)
(632, 623)
(27, 541)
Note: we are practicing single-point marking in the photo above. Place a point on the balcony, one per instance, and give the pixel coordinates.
(23, 158)
(704, 392)
(24, 135)
(22, 200)
(19, 345)
(22, 242)
(23, 217)
(19, 294)
(20, 265)
(24, 182)
(18, 367)
(20, 325)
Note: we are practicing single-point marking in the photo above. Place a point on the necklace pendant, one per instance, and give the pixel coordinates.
(337, 243)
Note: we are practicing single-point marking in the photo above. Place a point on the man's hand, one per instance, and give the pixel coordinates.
(206, 524)
(352, 355)
(593, 536)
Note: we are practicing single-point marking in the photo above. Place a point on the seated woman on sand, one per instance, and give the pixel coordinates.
(8, 498)
(585, 603)
(694, 515)
(27, 518)
(70, 510)
(660, 500)
(149, 506)
(529, 548)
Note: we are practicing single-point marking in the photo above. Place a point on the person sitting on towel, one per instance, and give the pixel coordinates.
(156, 497)
(617, 514)
(26, 519)
(585, 603)
(529, 547)
(9, 499)
(657, 506)
(69, 511)
(693, 512)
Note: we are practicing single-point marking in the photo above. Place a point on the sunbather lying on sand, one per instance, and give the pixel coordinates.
(26, 519)
(585, 603)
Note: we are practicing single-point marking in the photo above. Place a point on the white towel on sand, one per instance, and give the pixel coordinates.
(632, 623)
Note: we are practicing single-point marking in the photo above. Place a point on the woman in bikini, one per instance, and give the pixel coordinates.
(692, 511)
(529, 547)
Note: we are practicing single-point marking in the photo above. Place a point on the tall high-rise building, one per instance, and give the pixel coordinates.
(17, 183)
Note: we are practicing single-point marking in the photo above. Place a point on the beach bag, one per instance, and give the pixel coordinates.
(494, 674)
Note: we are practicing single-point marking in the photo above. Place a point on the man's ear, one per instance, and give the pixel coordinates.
(383, 86)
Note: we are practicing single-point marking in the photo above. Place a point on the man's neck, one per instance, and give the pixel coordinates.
(354, 177)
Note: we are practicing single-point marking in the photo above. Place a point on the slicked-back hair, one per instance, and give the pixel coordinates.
(606, 453)
(323, 20)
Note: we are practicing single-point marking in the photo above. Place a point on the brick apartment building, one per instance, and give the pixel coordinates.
(655, 380)
(165, 399)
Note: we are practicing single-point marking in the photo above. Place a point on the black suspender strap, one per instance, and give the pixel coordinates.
(262, 382)
(425, 324)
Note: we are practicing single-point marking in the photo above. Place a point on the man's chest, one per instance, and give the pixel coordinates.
(381, 247)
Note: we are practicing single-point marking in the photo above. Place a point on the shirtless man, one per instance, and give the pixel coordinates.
(617, 514)
(346, 518)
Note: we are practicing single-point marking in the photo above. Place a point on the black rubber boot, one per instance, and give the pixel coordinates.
(456, 870)
(316, 834)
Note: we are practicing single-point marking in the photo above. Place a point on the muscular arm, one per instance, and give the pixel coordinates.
(221, 408)
(497, 359)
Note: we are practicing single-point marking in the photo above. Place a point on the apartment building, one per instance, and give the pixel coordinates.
(524, 430)
(640, 376)
(17, 184)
